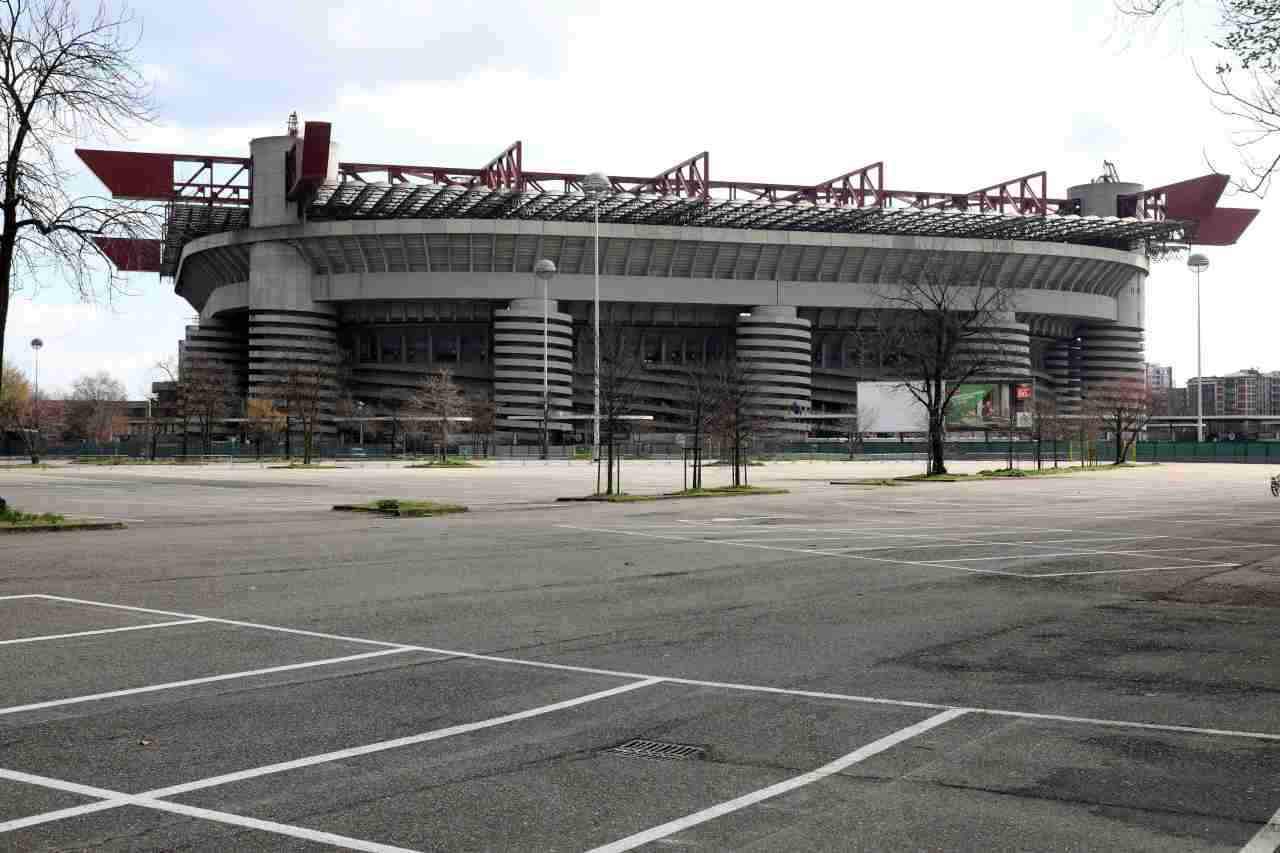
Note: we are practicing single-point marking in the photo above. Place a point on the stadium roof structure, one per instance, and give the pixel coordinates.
(208, 194)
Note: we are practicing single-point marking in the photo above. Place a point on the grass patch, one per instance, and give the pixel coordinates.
(299, 466)
(13, 521)
(451, 462)
(713, 492)
(403, 508)
(113, 461)
(725, 491)
(988, 474)
(13, 517)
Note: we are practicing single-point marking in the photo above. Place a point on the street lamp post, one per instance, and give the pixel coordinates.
(360, 410)
(36, 346)
(545, 270)
(1198, 263)
(596, 185)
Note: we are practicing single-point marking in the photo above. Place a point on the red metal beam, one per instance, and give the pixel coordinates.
(130, 254)
(159, 177)
(689, 178)
(1197, 199)
(504, 172)
(315, 161)
(852, 189)
(1027, 195)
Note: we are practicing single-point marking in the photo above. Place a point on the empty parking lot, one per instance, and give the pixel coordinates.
(1085, 662)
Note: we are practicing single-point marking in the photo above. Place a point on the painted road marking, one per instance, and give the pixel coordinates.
(1268, 838)
(781, 691)
(728, 807)
(44, 637)
(116, 799)
(191, 682)
(396, 743)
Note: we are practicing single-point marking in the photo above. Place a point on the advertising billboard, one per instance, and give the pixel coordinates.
(974, 407)
(889, 407)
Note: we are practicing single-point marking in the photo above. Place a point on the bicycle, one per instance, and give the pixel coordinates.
(1275, 486)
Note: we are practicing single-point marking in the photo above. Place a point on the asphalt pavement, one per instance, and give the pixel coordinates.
(1084, 662)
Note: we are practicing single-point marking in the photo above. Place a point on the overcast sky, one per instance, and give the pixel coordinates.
(952, 96)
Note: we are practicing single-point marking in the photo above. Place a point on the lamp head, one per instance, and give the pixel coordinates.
(596, 184)
(1198, 262)
(36, 343)
(544, 269)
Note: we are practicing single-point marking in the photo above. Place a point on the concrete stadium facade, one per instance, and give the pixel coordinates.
(396, 296)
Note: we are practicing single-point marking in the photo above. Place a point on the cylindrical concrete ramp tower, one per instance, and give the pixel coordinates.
(1004, 351)
(517, 365)
(1061, 359)
(1113, 352)
(287, 328)
(775, 350)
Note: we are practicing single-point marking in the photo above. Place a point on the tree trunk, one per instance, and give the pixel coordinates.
(608, 482)
(937, 463)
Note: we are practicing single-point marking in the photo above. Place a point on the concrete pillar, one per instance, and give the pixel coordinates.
(774, 347)
(1062, 361)
(517, 365)
(1005, 350)
(287, 327)
(1113, 352)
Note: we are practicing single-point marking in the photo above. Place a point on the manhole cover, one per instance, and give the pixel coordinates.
(640, 748)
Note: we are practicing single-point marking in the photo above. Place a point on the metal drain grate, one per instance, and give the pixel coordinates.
(641, 748)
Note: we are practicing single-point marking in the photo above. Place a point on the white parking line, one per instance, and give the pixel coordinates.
(116, 799)
(1071, 554)
(725, 685)
(396, 743)
(1268, 838)
(43, 637)
(874, 748)
(1181, 568)
(191, 682)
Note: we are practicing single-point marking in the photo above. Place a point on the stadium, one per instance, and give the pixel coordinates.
(291, 256)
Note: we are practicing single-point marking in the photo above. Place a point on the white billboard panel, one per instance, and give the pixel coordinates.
(889, 407)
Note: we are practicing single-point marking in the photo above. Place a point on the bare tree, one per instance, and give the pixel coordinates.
(1244, 83)
(938, 332)
(440, 400)
(263, 422)
(858, 425)
(1120, 408)
(620, 374)
(95, 407)
(179, 411)
(202, 396)
(63, 79)
(484, 420)
(302, 394)
(736, 417)
(696, 398)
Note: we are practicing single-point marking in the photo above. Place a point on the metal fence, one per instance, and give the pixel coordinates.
(999, 453)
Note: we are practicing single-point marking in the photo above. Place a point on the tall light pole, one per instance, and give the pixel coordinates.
(36, 346)
(596, 185)
(1198, 263)
(545, 270)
